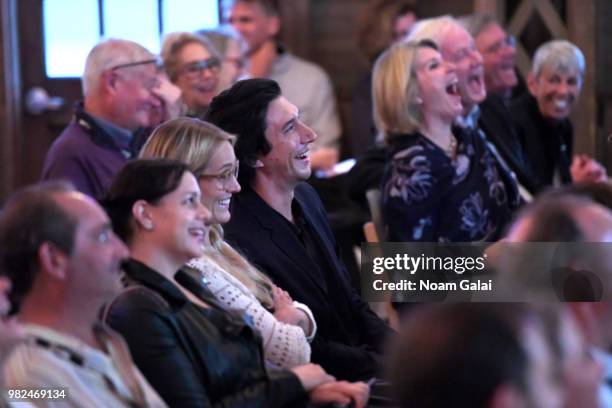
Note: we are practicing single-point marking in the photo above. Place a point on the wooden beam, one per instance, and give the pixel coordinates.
(10, 96)
(523, 61)
(295, 32)
(551, 18)
(520, 18)
(581, 24)
(496, 8)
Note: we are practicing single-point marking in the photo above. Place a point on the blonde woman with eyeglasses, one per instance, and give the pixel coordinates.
(285, 326)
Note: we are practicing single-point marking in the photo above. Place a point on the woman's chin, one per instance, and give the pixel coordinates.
(222, 217)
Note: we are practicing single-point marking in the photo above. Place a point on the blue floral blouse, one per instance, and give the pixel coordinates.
(428, 197)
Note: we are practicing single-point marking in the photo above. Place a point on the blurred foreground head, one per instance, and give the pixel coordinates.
(474, 355)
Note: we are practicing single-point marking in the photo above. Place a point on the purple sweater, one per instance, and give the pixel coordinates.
(86, 156)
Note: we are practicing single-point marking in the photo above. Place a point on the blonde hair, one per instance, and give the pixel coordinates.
(194, 142)
(394, 90)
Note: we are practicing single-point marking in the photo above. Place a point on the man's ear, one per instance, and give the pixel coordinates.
(273, 26)
(53, 261)
(532, 84)
(108, 81)
(142, 214)
(507, 396)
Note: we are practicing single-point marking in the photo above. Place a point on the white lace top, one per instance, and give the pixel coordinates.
(285, 345)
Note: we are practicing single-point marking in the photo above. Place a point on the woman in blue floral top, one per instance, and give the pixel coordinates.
(441, 184)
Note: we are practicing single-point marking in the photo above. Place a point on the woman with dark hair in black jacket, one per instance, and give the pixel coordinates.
(193, 352)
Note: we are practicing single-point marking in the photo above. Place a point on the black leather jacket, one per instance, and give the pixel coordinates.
(194, 356)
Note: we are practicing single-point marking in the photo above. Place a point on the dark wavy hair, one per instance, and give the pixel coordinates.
(143, 179)
(242, 110)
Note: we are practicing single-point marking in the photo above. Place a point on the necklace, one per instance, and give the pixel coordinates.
(452, 147)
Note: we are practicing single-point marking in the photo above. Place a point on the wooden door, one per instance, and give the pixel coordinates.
(38, 131)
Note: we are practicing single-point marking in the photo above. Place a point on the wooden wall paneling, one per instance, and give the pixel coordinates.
(581, 27)
(515, 26)
(494, 7)
(604, 45)
(334, 43)
(10, 97)
(334, 47)
(520, 18)
(432, 8)
(551, 19)
(296, 23)
(604, 140)
(604, 80)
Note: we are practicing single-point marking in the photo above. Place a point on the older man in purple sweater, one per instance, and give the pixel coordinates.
(121, 87)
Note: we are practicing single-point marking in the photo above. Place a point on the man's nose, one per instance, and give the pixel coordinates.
(308, 135)
(121, 249)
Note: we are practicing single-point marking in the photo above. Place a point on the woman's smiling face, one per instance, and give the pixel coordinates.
(181, 222)
(218, 183)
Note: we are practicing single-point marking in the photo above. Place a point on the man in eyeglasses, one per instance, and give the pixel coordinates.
(498, 53)
(123, 92)
(193, 65)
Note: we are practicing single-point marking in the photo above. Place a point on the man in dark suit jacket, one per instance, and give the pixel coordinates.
(279, 223)
(497, 61)
(496, 121)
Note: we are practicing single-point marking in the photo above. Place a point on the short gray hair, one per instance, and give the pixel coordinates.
(434, 29)
(560, 55)
(477, 22)
(107, 54)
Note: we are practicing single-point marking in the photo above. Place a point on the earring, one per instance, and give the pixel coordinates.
(148, 225)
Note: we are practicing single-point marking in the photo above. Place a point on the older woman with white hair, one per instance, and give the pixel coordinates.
(542, 117)
(231, 48)
(193, 65)
(441, 184)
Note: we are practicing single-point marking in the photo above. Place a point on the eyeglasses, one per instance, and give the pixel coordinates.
(225, 178)
(148, 82)
(197, 67)
(156, 61)
(509, 41)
